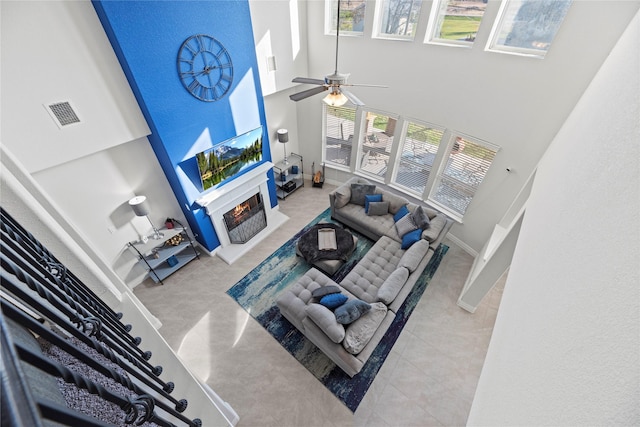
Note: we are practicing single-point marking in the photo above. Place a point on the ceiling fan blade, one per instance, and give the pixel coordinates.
(308, 81)
(354, 99)
(307, 93)
(364, 85)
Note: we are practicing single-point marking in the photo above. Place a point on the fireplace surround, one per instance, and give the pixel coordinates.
(226, 198)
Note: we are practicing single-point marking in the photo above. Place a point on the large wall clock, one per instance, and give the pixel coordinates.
(205, 67)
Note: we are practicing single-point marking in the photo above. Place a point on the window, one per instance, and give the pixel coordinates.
(425, 161)
(417, 153)
(397, 19)
(455, 22)
(339, 129)
(377, 140)
(461, 173)
(527, 27)
(351, 16)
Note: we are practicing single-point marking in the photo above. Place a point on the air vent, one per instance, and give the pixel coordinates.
(62, 113)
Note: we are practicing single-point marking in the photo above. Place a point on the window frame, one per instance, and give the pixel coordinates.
(497, 30)
(379, 13)
(434, 180)
(436, 20)
(332, 163)
(402, 141)
(329, 20)
(363, 152)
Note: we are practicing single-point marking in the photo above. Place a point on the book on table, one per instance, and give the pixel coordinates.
(327, 239)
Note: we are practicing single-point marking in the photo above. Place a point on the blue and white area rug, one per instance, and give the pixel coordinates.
(257, 293)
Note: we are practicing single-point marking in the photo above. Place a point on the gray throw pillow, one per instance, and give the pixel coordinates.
(342, 197)
(405, 225)
(378, 208)
(420, 218)
(412, 257)
(359, 333)
(325, 290)
(350, 311)
(435, 228)
(358, 191)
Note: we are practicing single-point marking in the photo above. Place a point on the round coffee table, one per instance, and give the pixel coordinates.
(327, 260)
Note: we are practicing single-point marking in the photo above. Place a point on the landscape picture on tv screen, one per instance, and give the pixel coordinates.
(229, 157)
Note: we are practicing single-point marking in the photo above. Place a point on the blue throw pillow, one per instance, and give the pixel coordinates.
(410, 238)
(351, 311)
(371, 198)
(332, 301)
(404, 210)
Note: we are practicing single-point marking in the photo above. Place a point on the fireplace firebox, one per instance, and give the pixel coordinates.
(246, 219)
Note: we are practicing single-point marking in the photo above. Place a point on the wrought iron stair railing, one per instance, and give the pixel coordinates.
(42, 297)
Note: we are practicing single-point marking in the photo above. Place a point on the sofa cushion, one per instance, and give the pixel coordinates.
(412, 257)
(378, 208)
(364, 280)
(376, 225)
(405, 224)
(326, 321)
(395, 201)
(404, 210)
(358, 191)
(410, 238)
(390, 288)
(435, 227)
(325, 290)
(359, 333)
(351, 311)
(342, 197)
(371, 198)
(420, 218)
(333, 300)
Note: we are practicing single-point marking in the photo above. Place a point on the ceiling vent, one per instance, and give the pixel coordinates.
(62, 113)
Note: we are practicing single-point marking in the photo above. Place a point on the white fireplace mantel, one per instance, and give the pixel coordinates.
(224, 198)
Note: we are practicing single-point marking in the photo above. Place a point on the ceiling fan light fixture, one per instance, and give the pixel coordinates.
(335, 99)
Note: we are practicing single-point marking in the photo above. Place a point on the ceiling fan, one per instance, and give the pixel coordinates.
(332, 82)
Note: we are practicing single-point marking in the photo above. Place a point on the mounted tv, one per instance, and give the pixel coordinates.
(229, 157)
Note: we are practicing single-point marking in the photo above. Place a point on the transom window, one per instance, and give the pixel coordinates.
(455, 22)
(396, 19)
(351, 16)
(527, 27)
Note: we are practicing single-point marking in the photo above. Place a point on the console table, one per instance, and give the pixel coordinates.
(163, 257)
(289, 176)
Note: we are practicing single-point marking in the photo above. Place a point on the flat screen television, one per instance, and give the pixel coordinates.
(229, 157)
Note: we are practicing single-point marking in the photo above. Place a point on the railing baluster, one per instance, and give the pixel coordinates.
(13, 313)
(34, 279)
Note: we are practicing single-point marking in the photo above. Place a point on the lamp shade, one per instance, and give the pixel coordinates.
(283, 135)
(139, 205)
(335, 99)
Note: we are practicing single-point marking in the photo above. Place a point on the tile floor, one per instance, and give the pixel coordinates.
(429, 378)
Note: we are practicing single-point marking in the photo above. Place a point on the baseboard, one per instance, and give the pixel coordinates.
(471, 309)
(468, 249)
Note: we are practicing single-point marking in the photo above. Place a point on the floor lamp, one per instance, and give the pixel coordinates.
(140, 206)
(283, 137)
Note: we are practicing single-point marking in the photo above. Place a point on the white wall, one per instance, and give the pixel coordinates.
(54, 51)
(565, 347)
(57, 51)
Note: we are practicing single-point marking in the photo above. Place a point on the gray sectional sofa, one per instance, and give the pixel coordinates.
(382, 279)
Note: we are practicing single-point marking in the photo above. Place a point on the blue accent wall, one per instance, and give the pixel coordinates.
(146, 36)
